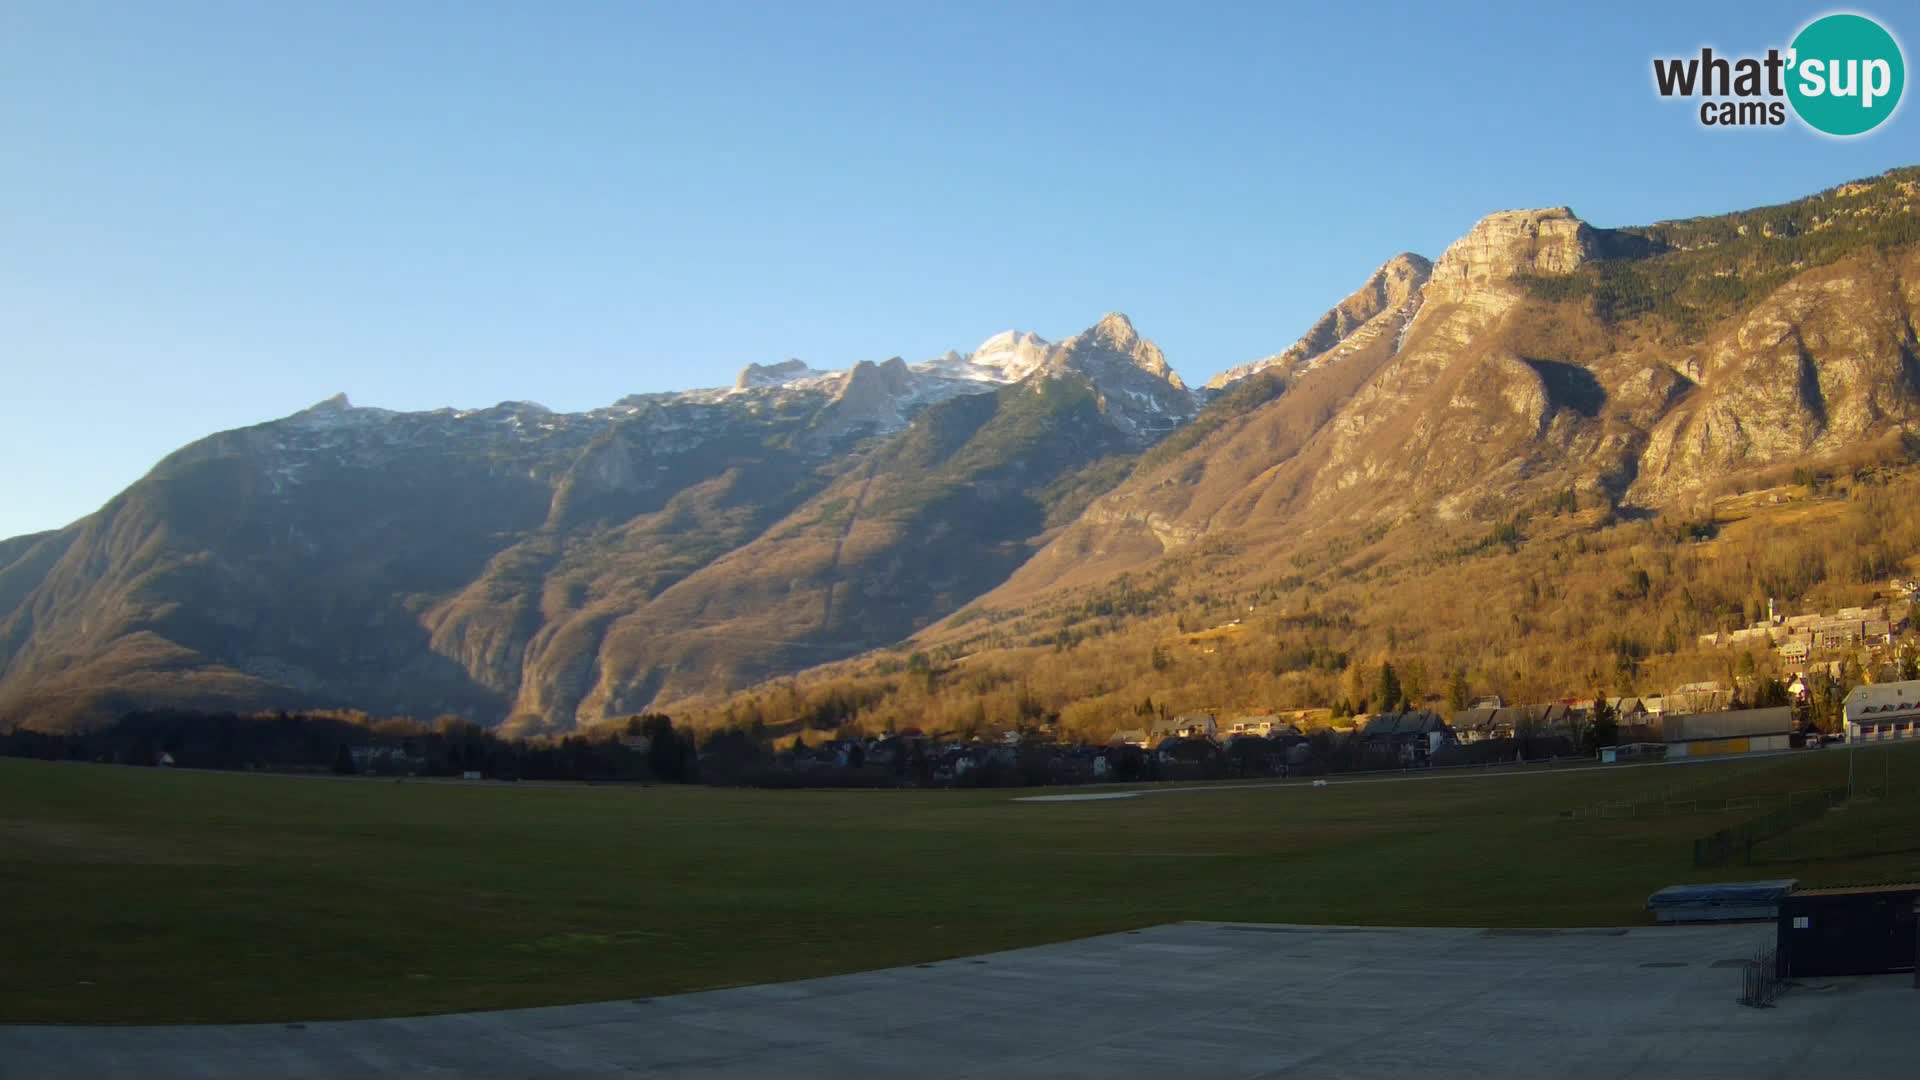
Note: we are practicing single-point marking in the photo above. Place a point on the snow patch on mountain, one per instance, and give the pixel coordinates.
(1006, 357)
(868, 397)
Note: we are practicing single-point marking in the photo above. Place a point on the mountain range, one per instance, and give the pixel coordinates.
(543, 570)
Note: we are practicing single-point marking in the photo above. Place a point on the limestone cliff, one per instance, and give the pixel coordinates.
(1541, 355)
(1383, 305)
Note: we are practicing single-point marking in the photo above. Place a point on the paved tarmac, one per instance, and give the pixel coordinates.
(1204, 999)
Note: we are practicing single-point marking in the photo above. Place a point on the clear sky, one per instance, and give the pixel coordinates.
(215, 214)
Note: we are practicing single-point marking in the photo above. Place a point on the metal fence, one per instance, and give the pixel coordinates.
(1737, 842)
(1873, 824)
(1670, 806)
(1760, 980)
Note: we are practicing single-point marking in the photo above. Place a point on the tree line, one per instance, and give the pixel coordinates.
(646, 749)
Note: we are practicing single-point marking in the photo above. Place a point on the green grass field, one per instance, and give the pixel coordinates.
(148, 895)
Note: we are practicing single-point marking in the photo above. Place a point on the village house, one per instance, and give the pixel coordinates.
(1195, 725)
(1264, 726)
(1796, 637)
(1556, 719)
(1411, 736)
(1468, 724)
(1628, 710)
(1697, 697)
(1522, 720)
(1481, 723)
(1882, 711)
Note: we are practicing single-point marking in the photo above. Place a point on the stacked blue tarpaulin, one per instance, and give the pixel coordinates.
(1726, 901)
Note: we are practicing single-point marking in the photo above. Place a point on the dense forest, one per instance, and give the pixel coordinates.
(1708, 268)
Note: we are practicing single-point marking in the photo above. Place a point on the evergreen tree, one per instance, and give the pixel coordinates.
(1388, 691)
(1603, 729)
(666, 749)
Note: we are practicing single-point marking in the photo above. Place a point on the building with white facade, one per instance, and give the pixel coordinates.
(1883, 711)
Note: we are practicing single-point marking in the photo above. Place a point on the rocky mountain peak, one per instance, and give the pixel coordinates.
(1009, 340)
(1115, 330)
(1508, 243)
(1006, 357)
(878, 396)
(1399, 278)
(1140, 393)
(338, 403)
(1114, 337)
(891, 377)
(333, 412)
(758, 375)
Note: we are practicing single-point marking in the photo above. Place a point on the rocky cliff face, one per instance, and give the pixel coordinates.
(1384, 305)
(1825, 363)
(1498, 389)
(761, 376)
(1483, 264)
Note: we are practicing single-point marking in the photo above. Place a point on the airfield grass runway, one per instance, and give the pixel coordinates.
(153, 896)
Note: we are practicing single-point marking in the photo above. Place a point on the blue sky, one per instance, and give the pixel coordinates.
(215, 214)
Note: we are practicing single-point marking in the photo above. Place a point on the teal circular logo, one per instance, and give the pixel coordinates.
(1846, 74)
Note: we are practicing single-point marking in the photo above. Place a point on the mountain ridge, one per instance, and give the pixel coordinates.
(1392, 291)
(515, 551)
(1495, 395)
(547, 569)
